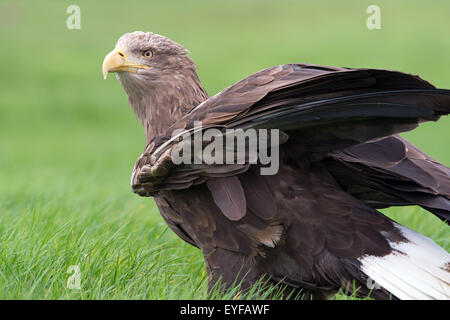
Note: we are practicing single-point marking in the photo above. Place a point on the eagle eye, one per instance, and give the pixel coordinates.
(147, 54)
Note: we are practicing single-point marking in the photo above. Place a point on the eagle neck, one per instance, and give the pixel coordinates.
(160, 103)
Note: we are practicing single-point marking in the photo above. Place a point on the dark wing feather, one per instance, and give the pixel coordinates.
(391, 172)
(229, 196)
(260, 200)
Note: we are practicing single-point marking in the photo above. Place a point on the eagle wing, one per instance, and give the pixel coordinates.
(392, 172)
(343, 117)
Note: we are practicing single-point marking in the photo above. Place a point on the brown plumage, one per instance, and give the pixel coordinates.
(313, 226)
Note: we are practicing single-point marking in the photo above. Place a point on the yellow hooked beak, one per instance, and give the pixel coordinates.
(116, 61)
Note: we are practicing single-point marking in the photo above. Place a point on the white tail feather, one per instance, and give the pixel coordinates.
(416, 269)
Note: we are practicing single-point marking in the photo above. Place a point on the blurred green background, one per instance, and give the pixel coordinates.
(68, 139)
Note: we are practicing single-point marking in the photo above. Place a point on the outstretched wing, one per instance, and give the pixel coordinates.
(321, 109)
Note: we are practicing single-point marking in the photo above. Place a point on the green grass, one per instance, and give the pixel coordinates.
(68, 140)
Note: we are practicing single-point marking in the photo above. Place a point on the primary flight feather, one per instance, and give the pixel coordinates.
(313, 226)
